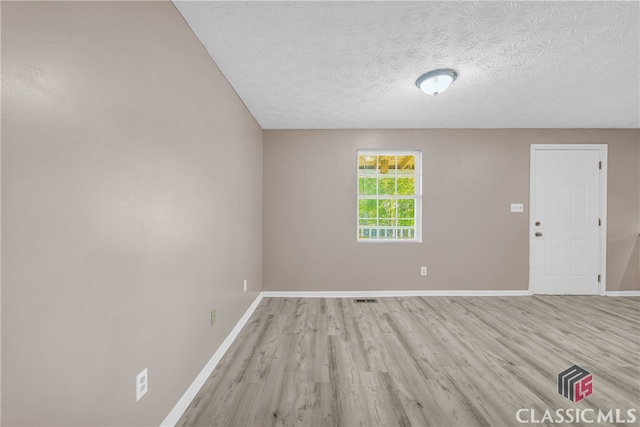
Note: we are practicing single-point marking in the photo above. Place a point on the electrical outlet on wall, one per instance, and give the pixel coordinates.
(142, 384)
(244, 287)
(423, 271)
(517, 207)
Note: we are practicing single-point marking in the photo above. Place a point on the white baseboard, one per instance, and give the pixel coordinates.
(381, 294)
(623, 293)
(197, 384)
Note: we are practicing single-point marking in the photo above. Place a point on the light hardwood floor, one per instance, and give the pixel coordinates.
(421, 361)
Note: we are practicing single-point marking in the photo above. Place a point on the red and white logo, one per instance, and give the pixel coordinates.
(575, 383)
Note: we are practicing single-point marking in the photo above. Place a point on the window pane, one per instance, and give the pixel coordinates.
(387, 222)
(367, 186)
(368, 222)
(406, 186)
(367, 208)
(387, 186)
(405, 233)
(387, 164)
(406, 208)
(406, 164)
(406, 222)
(387, 208)
(367, 164)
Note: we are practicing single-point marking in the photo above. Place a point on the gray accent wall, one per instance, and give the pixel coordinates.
(131, 207)
(470, 240)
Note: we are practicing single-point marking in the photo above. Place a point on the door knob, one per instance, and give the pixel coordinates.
(537, 223)
(538, 234)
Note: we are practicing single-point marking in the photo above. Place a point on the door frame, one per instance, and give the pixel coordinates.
(602, 230)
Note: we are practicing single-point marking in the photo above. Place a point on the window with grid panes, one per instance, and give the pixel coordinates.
(389, 196)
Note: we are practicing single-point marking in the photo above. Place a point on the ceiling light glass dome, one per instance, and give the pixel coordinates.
(436, 81)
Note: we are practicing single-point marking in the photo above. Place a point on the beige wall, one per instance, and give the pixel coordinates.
(623, 256)
(131, 202)
(470, 239)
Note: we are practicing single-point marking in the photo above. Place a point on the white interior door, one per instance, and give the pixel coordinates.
(566, 219)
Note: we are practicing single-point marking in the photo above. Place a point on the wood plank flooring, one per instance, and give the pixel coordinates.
(421, 361)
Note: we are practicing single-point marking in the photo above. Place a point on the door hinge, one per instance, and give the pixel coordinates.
(599, 222)
(600, 164)
(599, 278)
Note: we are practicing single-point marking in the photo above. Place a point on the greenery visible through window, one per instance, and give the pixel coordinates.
(389, 195)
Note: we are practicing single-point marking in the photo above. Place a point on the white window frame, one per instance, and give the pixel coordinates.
(417, 197)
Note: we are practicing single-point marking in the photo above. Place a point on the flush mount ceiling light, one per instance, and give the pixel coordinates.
(436, 81)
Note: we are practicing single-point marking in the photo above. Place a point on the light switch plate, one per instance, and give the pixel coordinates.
(517, 207)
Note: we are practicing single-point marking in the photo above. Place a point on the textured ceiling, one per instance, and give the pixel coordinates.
(315, 65)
